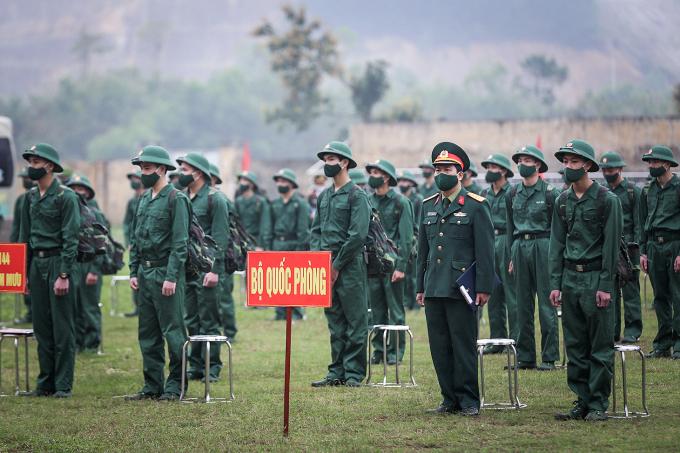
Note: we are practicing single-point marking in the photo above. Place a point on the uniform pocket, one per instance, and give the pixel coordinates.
(459, 227)
(430, 225)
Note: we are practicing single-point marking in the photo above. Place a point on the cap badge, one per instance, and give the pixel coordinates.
(569, 145)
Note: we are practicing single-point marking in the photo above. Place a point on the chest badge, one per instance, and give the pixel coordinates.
(460, 214)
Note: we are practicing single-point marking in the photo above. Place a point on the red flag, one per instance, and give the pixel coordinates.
(245, 158)
(538, 142)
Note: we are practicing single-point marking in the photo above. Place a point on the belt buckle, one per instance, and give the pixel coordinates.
(527, 236)
(580, 268)
(147, 263)
(496, 232)
(41, 254)
(282, 238)
(660, 239)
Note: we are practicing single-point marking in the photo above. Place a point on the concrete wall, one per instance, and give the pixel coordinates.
(408, 144)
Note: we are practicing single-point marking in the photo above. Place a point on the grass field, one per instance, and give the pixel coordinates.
(329, 419)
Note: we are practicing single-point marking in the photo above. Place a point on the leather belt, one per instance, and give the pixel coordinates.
(154, 263)
(46, 253)
(530, 236)
(499, 231)
(662, 237)
(584, 266)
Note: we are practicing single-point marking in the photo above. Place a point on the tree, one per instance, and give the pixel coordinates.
(547, 75)
(300, 56)
(86, 45)
(369, 88)
(676, 98)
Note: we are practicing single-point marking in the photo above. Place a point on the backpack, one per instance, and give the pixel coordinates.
(624, 267)
(113, 259)
(380, 253)
(201, 248)
(240, 243)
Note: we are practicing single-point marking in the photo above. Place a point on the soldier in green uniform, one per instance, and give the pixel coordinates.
(428, 187)
(502, 303)
(88, 311)
(341, 227)
(27, 184)
(202, 311)
(226, 298)
(130, 213)
(358, 177)
(586, 230)
(158, 253)
(660, 247)
(290, 224)
(469, 180)
(455, 231)
(612, 165)
(408, 186)
(386, 292)
(50, 224)
(173, 178)
(254, 210)
(529, 209)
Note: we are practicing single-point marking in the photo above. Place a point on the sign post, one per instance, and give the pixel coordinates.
(288, 279)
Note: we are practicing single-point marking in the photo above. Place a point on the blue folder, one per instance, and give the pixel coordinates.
(467, 287)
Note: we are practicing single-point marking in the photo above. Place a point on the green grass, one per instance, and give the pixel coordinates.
(333, 419)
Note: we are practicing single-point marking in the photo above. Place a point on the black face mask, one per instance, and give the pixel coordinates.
(375, 181)
(527, 170)
(36, 173)
(654, 172)
(427, 174)
(404, 189)
(283, 189)
(148, 181)
(492, 176)
(185, 180)
(331, 170)
(28, 184)
(446, 182)
(611, 179)
(242, 188)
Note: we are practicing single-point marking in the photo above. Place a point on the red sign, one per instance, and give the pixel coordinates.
(288, 279)
(12, 268)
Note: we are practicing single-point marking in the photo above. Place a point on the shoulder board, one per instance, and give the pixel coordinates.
(476, 197)
(431, 197)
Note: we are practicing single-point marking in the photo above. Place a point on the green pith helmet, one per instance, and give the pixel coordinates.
(426, 164)
(473, 169)
(249, 175)
(80, 180)
(447, 153)
(579, 148)
(660, 152)
(134, 174)
(173, 174)
(408, 176)
(198, 161)
(339, 149)
(358, 176)
(288, 175)
(501, 161)
(215, 172)
(534, 152)
(153, 154)
(47, 152)
(611, 159)
(386, 167)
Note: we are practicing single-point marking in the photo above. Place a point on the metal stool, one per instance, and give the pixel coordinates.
(513, 390)
(205, 339)
(113, 311)
(387, 328)
(564, 343)
(622, 349)
(16, 334)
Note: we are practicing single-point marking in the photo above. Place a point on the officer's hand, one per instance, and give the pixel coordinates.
(334, 274)
(510, 267)
(91, 279)
(481, 299)
(420, 299)
(168, 288)
(602, 299)
(676, 264)
(61, 286)
(644, 263)
(133, 283)
(210, 280)
(397, 276)
(556, 298)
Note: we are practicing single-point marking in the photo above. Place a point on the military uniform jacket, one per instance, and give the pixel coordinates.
(417, 203)
(498, 207)
(660, 212)
(396, 215)
(210, 208)
(130, 211)
(474, 188)
(528, 211)
(52, 222)
(256, 218)
(16, 220)
(161, 232)
(585, 237)
(341, 223)
(290, 224)
(426, 191)
(629, 196)
(450, 240)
